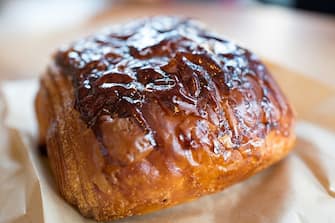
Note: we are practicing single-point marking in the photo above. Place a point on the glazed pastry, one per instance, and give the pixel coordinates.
(156, 113)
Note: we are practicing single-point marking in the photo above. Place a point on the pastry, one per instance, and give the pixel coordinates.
(157, 112)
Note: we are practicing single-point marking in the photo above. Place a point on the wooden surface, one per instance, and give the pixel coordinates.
(302, 41)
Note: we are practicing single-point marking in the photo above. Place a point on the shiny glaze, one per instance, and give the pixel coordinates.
(221, 95)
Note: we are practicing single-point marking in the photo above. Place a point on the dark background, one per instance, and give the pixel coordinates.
(325, 6)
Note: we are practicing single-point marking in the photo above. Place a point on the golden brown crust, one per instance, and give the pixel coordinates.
(119, 172)
(162, 179)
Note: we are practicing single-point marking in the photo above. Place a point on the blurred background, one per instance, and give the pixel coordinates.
(299, 34)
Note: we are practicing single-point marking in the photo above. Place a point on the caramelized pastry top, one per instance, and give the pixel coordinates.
(221, 93)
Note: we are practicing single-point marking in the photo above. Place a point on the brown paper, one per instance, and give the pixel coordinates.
(301, 188)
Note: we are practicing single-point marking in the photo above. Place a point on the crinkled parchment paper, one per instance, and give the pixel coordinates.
(301, 188)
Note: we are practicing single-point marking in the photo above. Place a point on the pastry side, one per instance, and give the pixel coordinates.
(131, 141)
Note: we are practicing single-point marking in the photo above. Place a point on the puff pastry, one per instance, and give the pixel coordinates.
(155, 113)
